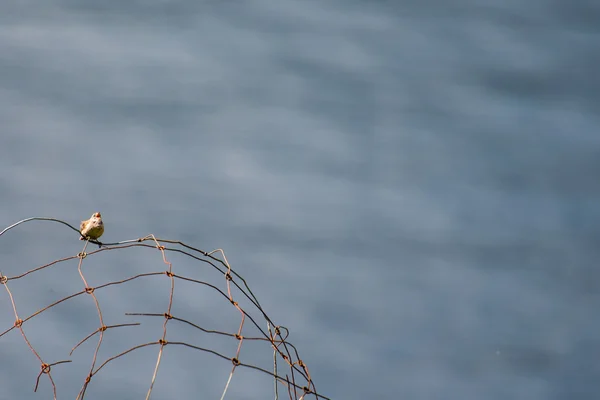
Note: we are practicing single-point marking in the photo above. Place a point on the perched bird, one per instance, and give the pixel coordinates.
(92, 228)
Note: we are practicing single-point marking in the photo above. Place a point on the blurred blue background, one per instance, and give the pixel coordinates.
(410, 187)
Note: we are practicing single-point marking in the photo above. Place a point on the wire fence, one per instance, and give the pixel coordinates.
(290, 375)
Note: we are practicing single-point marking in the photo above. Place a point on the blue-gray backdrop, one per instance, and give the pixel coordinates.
(411, 187)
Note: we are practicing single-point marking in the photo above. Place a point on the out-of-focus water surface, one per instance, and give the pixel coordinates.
(410, 187)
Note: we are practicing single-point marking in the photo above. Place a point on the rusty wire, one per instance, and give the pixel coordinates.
(296, 380)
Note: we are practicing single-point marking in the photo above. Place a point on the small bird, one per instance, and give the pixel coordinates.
(92, 228)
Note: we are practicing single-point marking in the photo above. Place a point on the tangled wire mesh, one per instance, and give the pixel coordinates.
(290, 375)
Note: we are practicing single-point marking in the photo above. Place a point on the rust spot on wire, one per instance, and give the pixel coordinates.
(45, 368)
